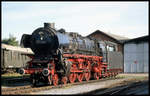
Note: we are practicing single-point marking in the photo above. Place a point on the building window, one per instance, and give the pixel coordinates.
(111, 48)
(103, 47)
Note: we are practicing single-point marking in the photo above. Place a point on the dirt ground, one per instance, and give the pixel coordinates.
(134, 74)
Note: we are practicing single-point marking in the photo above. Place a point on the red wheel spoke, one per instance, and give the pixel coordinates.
(80, 77)
(72, 77)
(64, 80)
(96, 76)
(87, 76)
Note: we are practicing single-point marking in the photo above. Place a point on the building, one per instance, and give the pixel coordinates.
(114, 47)
(136, 55)
(112, 39)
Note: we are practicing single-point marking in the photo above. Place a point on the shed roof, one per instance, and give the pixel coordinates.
(138, 39)
(114, 36)
(118, 37)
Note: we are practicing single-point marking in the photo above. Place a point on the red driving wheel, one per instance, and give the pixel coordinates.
(96, 76)
(64, 80)
(55, 80)
(80, 77)
(72, 77)
(87, 76)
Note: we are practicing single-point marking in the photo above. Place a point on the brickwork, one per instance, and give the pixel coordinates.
(101, 36)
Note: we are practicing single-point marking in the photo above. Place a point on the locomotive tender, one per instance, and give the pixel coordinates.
(61, 57)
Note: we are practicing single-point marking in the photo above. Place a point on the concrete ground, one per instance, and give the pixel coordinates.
(79, 89)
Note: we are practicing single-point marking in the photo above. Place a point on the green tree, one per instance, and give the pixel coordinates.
(10, 41)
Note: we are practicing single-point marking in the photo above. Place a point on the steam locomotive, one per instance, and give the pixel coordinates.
(61, 57)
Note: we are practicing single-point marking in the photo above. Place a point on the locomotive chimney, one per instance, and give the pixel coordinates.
(49, 25)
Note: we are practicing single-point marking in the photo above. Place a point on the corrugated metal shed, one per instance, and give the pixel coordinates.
(14, 56)
(136, 55)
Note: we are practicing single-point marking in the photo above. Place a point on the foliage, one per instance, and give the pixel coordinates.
(10, 41)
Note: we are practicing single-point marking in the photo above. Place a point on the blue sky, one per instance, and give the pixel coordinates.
(129, 19)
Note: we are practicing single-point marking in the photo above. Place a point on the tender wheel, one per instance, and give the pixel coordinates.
(87, 76)
(96, 76)
(115, 74)
(72, 77)
(55, 80)
(112, 74)
(64, 80)
(106, 75)
(80, 77)
(109, 74)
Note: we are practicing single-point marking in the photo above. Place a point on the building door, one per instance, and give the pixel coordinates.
(129, 57)
(136, 57)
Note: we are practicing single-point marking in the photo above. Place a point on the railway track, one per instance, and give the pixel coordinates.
(28, 89)
(131, 88)
(119, 90)
(13, 80)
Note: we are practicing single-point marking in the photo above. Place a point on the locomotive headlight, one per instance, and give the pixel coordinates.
(45, 72)
(41, 35)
